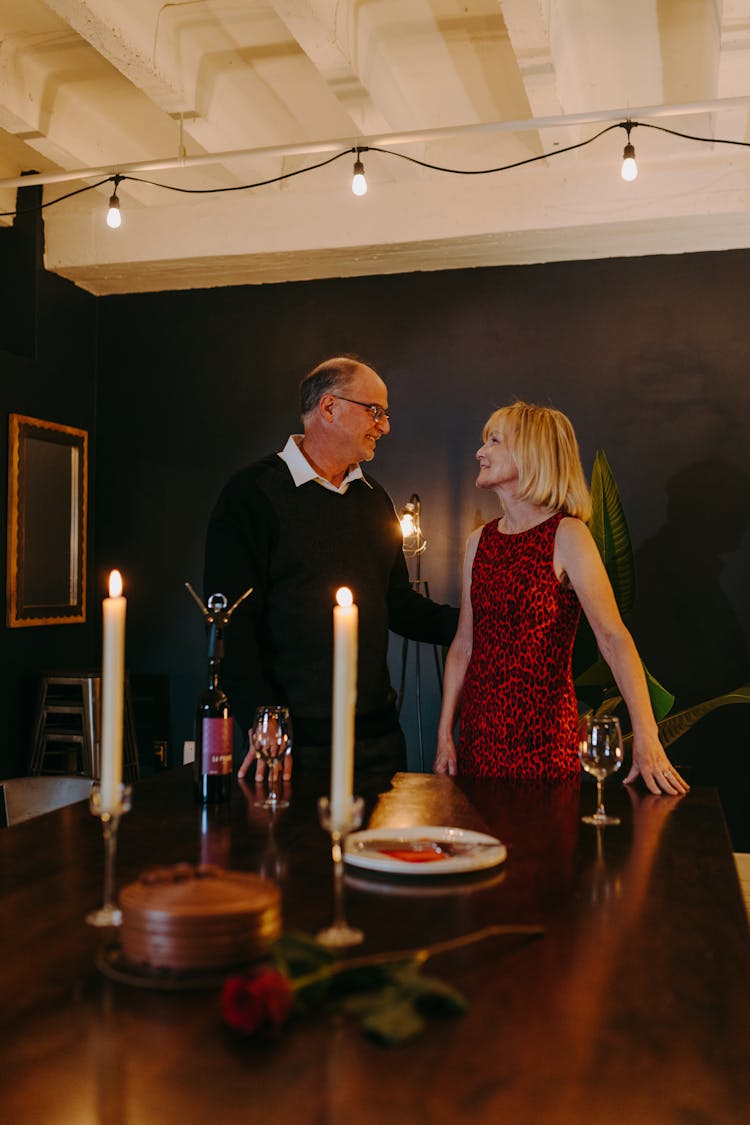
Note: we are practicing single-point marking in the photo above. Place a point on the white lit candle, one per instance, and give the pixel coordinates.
(345, 625)
(113, 687)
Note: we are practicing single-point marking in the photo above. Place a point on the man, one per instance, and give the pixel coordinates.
(296, 526)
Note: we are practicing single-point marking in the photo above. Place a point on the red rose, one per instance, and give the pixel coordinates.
(255, 1000)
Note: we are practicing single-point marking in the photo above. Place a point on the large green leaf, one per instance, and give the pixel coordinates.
(599, 676)
(610, 531)
(676, 725)
(662, 701)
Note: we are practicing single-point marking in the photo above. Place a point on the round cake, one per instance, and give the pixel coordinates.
(185, 918)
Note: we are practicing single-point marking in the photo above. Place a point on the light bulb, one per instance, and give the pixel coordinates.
(407, 524)
(359, 183)
(114, 218)
(629, 169)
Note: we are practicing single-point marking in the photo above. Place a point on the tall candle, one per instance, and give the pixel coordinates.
(345, 626)
(113, 687)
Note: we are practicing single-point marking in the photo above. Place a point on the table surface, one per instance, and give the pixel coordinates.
(634, 1006)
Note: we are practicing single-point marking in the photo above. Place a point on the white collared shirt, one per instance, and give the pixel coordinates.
(302, 471)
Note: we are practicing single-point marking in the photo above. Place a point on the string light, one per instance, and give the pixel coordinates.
(629, 170)
(114, 218)
(359, 183)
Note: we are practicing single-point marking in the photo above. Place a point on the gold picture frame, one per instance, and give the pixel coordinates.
(47, 513)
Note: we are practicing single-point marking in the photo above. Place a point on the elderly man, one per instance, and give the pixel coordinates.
(296, 526)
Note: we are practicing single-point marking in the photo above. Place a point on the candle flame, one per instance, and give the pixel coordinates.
(115, 584)
(344, 596)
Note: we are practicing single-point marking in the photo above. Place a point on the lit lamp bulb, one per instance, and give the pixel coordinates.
(407, 524)
(629, 169)
(359, 183)
(114, 218)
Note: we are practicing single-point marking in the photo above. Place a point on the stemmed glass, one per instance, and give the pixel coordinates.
(340, 934)
(271, 738)
(109, 914)
(600, 751)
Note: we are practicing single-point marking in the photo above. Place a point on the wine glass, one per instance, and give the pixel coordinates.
(340, 934)
(271, 738)
(600, 751)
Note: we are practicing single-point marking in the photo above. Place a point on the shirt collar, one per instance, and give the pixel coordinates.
(302, 471)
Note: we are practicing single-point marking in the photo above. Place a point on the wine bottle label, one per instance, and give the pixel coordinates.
(216, 746)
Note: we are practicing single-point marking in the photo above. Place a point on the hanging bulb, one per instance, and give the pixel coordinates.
(114, 218)
(359, 183)
(629, 169)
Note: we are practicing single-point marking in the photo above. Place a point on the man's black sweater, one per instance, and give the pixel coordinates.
(296, 547)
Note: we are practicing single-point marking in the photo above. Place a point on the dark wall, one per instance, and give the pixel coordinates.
(48, 346)
(649, 357)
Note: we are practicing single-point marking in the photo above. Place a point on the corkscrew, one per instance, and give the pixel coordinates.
(216, 612)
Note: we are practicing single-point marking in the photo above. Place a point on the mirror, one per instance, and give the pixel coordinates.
(47, 494)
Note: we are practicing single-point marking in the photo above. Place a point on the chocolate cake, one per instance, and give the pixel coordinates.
(185, 918)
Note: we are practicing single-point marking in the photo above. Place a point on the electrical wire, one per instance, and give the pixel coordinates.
(59, 199)
(117, 178)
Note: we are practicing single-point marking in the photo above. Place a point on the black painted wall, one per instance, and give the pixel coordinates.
(649, 357)
(48, 368)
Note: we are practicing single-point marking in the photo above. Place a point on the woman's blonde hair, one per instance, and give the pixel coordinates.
(543, 445)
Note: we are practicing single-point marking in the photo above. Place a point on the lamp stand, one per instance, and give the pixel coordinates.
(422, 587)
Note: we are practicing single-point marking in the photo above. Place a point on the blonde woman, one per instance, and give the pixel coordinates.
(526, 578)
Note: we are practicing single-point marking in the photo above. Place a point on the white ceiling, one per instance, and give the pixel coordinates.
(104, 84)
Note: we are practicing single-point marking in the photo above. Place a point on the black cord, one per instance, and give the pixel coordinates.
(59, 199)
(501, 167)
(243, 187)
(117, 178)
(690, 136)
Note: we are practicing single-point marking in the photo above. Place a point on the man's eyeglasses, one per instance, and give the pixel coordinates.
(379, 413)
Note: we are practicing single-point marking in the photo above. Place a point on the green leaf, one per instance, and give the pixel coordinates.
(600, 676)
(610, 531)
(676, 725)
(662, 701)
(597, 675)
(298, 955)
(608, 705)
(435, 997)
(363, 978)
(393, 1023)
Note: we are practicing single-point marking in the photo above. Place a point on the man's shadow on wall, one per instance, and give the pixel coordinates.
(688, 631)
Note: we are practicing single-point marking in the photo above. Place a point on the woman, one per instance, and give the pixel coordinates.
(526, 578)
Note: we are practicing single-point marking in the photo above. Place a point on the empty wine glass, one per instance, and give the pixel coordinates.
(271, 738)
(600, 751)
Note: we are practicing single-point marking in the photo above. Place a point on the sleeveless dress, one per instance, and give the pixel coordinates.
(519, 716)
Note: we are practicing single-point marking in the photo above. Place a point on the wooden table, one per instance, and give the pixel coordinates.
(633, 1007)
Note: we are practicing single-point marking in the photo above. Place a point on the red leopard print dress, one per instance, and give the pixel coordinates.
(519, 718)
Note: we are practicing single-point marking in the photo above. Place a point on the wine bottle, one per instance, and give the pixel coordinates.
(213, 719)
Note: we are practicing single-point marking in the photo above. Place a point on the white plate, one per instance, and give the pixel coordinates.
(470, 883)
(463, 850)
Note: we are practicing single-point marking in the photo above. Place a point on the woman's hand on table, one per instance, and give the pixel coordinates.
(252, 762)
(446, 760)
(652, 764)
